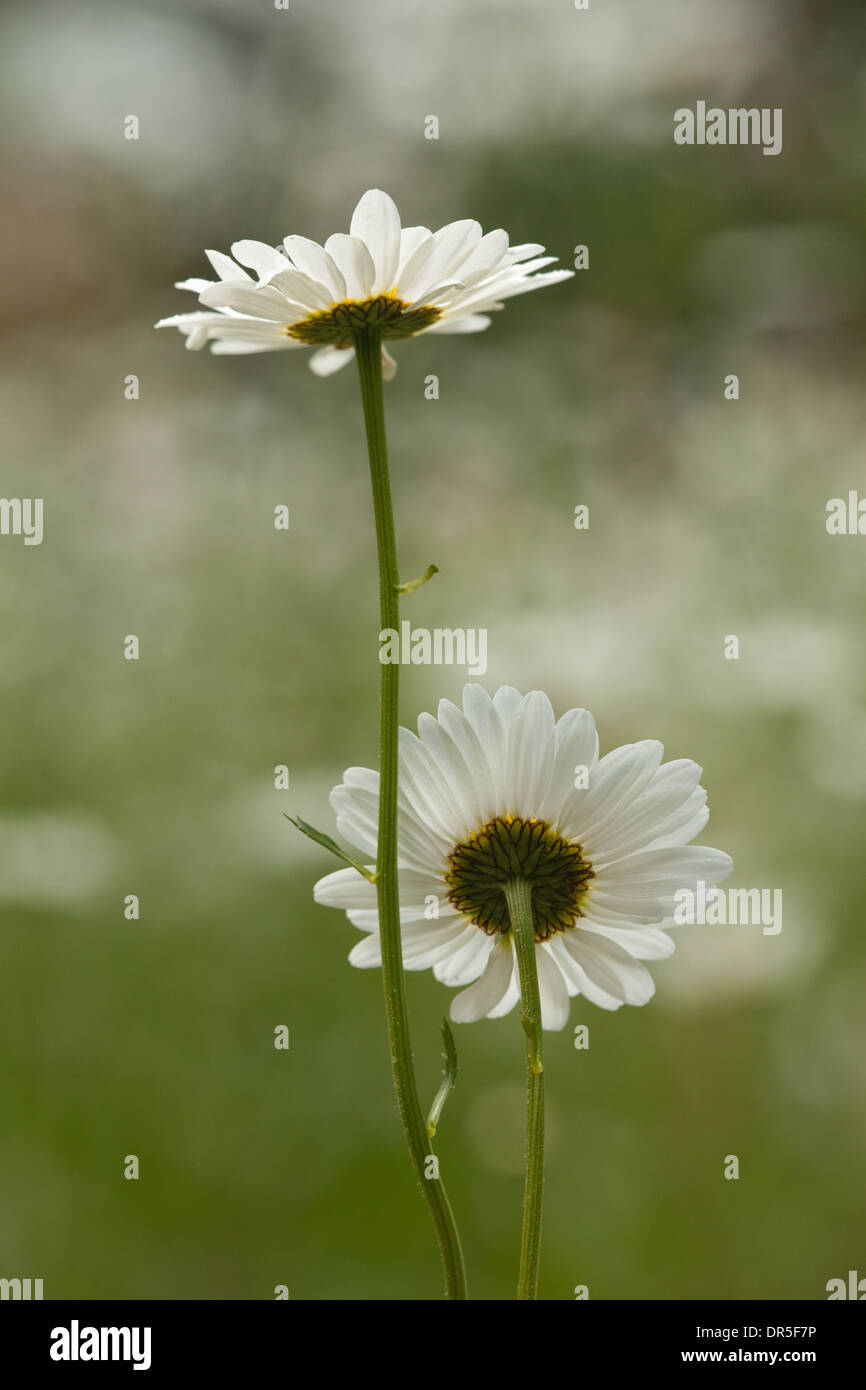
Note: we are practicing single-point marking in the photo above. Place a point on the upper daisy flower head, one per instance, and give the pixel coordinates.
(496, 792)
(400, 280)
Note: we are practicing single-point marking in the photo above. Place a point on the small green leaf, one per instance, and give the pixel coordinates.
(327, 843)
(449, 1076)
(411, 585)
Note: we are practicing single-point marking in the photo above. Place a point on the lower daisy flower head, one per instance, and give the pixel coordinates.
(500, 791)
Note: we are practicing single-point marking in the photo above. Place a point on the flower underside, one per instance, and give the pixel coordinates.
(340, 325)
(508, 848)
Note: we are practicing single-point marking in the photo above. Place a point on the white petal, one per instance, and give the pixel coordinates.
(535, 282)
(442, 295)
(483, 717)
(410, 239)
(551, 988)
(431, 266)
(577, 980)
(651, 826)
(197, 339)
(389, 366)
(646, 944)
(467, 963)
(454, 245)
(422, 947)
(261, 304)
(416, 886)
(232, 326)
(685, 823)
(448, 944)
(529, 760)
(472, 750)
(523, 252)
(357, 824)
(510, 997)
(483, 299)
(376, 222)
(670, 800)
(576, 746)
(610, 967)
(345, 888)
(626, 915)
(468, 803)
(537, 263)
(487, 993)
(330, 359)
(492, 294)
(488, 255)
(241, 347)
(413, 274)
(662, 872)
(433, 797)
(367, 953)
(413, 911)
(186, 321)
(357, 808)
(225, 267)
(506, 702)
(354, 263)
(366, 777)
(617, 780)
(300, 289)
(195, 285)
(616, 909)
(469, 323)
(260, 257)
(313, 260)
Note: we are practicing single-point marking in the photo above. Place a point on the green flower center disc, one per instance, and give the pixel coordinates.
(339, 325)
(510, 847)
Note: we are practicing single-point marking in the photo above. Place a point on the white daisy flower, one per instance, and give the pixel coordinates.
(406, 280)
(488, 795)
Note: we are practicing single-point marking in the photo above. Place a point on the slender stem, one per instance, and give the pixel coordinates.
(518, 895)
(368, 351)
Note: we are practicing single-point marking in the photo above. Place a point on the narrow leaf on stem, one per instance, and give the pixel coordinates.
(327, 843)
(412, 584)
(449, 1077)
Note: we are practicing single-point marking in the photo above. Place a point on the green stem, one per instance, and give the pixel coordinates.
(518, 895)
(369, 355)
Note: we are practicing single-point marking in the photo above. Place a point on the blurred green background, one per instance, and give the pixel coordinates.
(155, 777)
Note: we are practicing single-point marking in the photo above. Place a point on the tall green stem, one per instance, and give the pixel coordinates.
(369, 355)
(518, 895)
